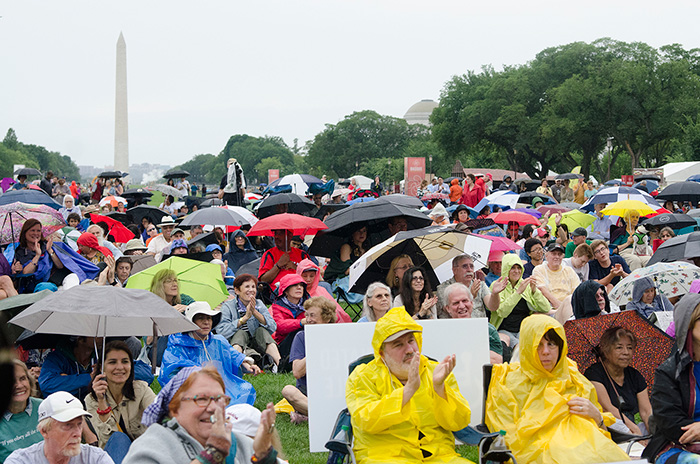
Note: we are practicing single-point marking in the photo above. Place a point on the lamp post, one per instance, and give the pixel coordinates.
(430, 158)
(388, 167)
(357, 165)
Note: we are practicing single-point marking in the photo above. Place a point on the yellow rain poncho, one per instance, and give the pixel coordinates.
(529, 403)
(387, 433)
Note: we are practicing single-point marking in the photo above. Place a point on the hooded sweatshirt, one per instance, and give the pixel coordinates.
(660, 302)
(530, 404)
(237, 257)
(386, 432)
(583, 301)
(510, 298)
(315, 290)
(455, 191)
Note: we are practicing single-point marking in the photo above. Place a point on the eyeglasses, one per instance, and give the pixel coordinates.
(600, 251)
(417, 278)
(204, 401)
(170, 281)
(151, 230)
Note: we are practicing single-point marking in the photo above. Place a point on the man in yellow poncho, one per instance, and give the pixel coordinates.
(404, 407)
(548, 409)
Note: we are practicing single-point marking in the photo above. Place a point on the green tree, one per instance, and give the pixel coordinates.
(250, 151)
(12, 152)
(203, 168)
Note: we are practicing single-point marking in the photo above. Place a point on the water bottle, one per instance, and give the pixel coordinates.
(498, 451)
(499, 443)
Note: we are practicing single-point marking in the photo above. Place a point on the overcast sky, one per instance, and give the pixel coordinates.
(199, 72)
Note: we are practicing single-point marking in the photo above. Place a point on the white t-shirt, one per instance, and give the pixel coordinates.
(582, 271)
(35, 455)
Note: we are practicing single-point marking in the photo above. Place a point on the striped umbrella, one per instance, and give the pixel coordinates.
(615, 194)
(14, 215)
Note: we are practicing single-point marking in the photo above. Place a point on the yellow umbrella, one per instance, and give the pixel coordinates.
(572, 219)
(621, 207)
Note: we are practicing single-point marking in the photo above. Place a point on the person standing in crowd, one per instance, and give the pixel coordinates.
(46, 183)
(232, 186)
(61, 190)
(544, 189)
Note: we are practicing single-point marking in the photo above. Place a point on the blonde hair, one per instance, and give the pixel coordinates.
(158, 284)
(391, 278)
(326, 306)
(33, 391)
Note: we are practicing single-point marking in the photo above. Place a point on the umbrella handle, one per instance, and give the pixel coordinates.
(154, 353)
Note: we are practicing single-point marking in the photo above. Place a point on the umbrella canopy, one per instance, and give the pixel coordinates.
(98, 311)
(681, 191)
(124, 218)
(167, 190)
(202, 281)
(613, 182)
(403, 200)
(568, 175)
(507, 216)
(10, 307)
(154, 215)
(14, 215)
(215, 216)
(69, 236)
(653, 345)
(243, 212)
(176, 174)
(573, 219)
(373, 215)
(116, 229)
(553, 209)
(141, 262)
(285, 202)
(527, 197)
(300, 183)
(682, 247)
(615, 194)
(670, 279)
(27, 172)
(363, 182)
(136, 193)
(211, 202)
(433, 248)
(329, 208)
(110, 174)
(207, 238)
(296, 223)
(620, 208)
(649, 186)
(434, 196)
(113, 200)
(647, 177)
(672, 220)
(500, 198)
(34, 197)
(501, 243)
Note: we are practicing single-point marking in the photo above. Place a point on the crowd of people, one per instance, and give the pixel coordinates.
(204, 409)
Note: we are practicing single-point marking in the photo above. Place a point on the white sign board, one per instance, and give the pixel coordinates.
(330, 348)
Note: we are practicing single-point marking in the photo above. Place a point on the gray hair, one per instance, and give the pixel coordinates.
(373, 287)
(458, 259)
(45, 424)
(450, 289)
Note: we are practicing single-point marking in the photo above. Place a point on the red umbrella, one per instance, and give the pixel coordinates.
(116, 229)
(298, 224)
(507, 216)
(553, 209)
(657, 212)
(653, 345)
(501, 243)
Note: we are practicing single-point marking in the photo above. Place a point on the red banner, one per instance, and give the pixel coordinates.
(413, 174)
(272, 175)
(627, 180)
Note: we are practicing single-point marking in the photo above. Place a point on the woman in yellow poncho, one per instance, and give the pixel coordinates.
(548, 409)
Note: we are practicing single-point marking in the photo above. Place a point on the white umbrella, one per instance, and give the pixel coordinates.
(363, 182)
(500, 198)
(167, 190)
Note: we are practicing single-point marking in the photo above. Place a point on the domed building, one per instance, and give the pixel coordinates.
(420, 112)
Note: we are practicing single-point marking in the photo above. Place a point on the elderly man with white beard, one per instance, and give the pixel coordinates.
(457, 304)
(61, 417)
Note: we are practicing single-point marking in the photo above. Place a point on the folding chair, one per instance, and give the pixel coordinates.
(354, 310)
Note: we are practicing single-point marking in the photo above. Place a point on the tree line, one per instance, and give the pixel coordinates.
(12, 152)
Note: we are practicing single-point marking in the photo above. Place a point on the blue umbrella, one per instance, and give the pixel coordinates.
(35, 197)
(614, 194)
(651, 185)
(613, 182)
(360, 200)
(695, 178)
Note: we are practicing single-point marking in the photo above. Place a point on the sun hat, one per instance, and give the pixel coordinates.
(202, 307)
(166, 221)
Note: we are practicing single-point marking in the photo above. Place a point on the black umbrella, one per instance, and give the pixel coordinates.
(527, 197)
(205, 239)
(647, 177)
(153, 214)
(675, 221)
(33, 341)
(10, 307)
(110, 174)
(27, 172)
(136, 193)
(124, 218)
(568, 175)
(374, 214)
(203, 256)
(211, 202)
(679, 248)
(681, 191)
(176, 174)
(403, 200)
(329, 208)
(294, 204)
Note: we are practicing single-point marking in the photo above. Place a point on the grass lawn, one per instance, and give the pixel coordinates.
(295, 438)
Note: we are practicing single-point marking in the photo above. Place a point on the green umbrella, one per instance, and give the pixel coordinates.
(202, 281)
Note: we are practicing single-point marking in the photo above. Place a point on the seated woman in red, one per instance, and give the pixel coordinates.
(288, 311)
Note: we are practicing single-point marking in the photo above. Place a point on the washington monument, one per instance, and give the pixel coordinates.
(121, 112)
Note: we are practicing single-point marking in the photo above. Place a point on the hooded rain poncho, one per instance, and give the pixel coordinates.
(530, 404)
(583, 300)
(388, 433)
(315, 290)
(660, 302)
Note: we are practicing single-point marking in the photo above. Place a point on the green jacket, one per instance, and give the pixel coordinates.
(510, 297)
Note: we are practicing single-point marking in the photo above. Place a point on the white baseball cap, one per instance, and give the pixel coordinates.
(244, 418)
(61, 406)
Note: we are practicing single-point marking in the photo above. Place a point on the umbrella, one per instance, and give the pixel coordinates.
(653, 345)
(207, 238)
(570, 205)
(613, 182)
(433, 248)
(681, 191)
(176, 174)
(112, 200)
(154, 215)
(116, 229)
(34, 197)
(245, 213)
(553, 209)
(615, 194)
(568, 175)
(650, 186)
(202, 281)
(694, 178)
(329, 208)
(363, 182)
(124, 218)
(296, 223)
(405, 200)
(141, 262)
(670, 279)
(284, 202)
(110, 174)
(300, 182)
(507, 216)
(501, 243)
(647, 177)
(211, 202)
(573, 219)
(27, 172)
(682, 247)
(500, 198)
(527, 197)
(532, 212)
(250, 196)
(360, 200)
(374, 215)
(12, 306)
(14, 215)
(434, 196)
(167, 190)
(137, 193)
(621, 207)
(479, 223)
(215, 216)
(673, 220)
(69, 236)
